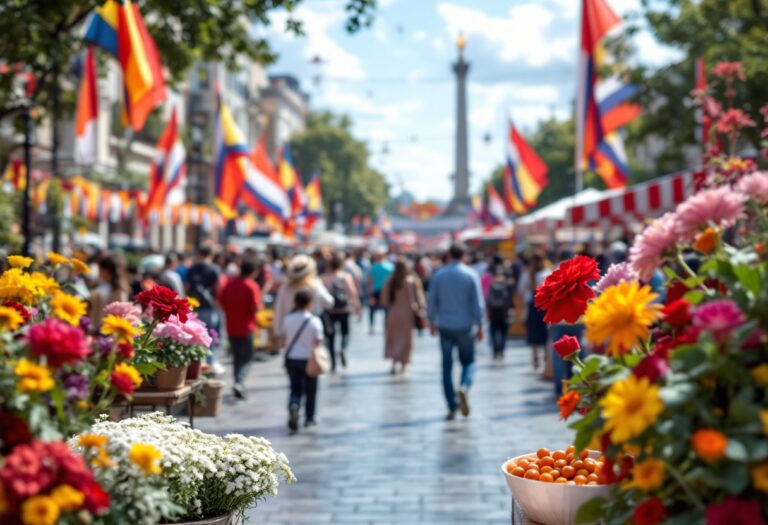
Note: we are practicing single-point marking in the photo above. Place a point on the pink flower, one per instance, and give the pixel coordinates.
(652, 245)
(191, 333)
(616, 273)
(719, 207)
(128, 311)
(733, 120)
(719, 317)
(729, 70)
(755, 186)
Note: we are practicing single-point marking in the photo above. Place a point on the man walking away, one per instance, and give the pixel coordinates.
(455, 308)
(498, 301)
(381, 269)
(203, 286)
(241, 301)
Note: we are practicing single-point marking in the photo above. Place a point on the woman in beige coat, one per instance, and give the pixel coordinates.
(403, 296)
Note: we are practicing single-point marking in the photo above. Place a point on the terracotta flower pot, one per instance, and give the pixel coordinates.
(213, 393)
(172, 378)
(226, 519)
(193, 370)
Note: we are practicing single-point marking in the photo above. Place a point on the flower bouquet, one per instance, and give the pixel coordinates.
(676, 393)
(203, 475)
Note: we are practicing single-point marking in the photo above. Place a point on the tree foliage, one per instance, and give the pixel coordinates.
(717, 30)
(44, 37)
(328, 147)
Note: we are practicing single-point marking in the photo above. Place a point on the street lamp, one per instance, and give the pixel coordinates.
(197, 171)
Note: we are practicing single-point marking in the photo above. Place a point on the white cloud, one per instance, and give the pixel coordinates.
(420, 36)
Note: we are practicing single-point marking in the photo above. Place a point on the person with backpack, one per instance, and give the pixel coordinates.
(498, 301)
(303, 331)
(346, 300)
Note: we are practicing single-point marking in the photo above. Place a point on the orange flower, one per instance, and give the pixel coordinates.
(706, 241)
(568, 403)
(709, 444)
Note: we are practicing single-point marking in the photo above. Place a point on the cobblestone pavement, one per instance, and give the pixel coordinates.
(382, 452)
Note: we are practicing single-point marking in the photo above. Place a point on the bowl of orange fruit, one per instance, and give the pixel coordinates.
(550, 486)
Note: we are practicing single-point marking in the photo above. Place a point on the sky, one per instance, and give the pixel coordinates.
(394, 79)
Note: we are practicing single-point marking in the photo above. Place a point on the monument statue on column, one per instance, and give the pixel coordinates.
(461, 199)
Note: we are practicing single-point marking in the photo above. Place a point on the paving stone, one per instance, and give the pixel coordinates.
(382, 452)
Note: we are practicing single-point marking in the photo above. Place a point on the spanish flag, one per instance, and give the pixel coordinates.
(119, 29)
(525, 174)
(86, 118)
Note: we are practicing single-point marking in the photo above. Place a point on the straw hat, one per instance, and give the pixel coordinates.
(300, 267)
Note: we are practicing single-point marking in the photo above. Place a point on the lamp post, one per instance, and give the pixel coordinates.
(26, 208)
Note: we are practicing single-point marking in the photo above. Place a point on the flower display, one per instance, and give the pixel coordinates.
(163, 303)
(79, 267)
(719, 317)
(58, 342)
(568, 403)
(10, 319)
(128, 311)
(756, 186)
(120, 328)
(649, 512)
(621, 316)
(717, 207)
(677, 314)
(125, 379)
(648, 475)
(56, 259)
(563, 296)
(629, 407)
(146, 457)
(191, 332)
(709, 444)
(33, 378)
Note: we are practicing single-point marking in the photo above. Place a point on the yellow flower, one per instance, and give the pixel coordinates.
(92, 440)
(121, 328)
(19, 261)
(621, 315)
(19, 285)
(193, 303)
(79, 266)
(629, 407)
(102, 459)
(124, 369)
(648, 475)
(10, 319)
(47, 284)
(760, 477)
(68, 308)
(67, 497)
(760, 374)
(56, 259)
(39, 510)
(146, 457)
(82, 404)
(33, 377)
(764, 419)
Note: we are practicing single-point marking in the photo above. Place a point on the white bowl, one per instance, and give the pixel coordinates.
(551, 503)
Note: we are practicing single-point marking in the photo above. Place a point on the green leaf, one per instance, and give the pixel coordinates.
(695, 296)
(749, 277)
(677, 394)
(591, 511)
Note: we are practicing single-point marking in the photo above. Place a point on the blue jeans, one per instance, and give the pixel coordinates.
(465, 342)
(562, 370)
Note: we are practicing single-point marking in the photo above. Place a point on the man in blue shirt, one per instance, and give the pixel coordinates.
(380, 271)
(455, 308)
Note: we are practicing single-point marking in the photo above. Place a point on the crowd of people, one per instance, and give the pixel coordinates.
(316, 297)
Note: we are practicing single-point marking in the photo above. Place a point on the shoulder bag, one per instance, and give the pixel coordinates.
(319, 361)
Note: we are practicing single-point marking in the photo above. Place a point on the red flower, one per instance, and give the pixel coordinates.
(13, 431)
(677, 313)
(19, 308)
(567, 346)
(652, 366)
(96, 498)
(609, 469)
(163, 302)
(59, 342)
(72, 468)
(565, 292)
(125, 351)
(732, 511)
(649, 512)
(729, 70)
(123, 383)
(26, 472)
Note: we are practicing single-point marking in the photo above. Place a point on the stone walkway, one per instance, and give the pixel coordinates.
(382, 452)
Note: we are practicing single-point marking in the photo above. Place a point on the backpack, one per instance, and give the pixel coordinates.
(339, 293)
(498, 297)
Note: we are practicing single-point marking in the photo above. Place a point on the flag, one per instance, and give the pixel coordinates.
(475, 214)
(290, 180)
(118, 28)
(601, 107)
(262, 162)
(313, 209)
(86, 117)
(525, 174)
(166, 179)
(230, 156)
(496, 209)
(15, 177)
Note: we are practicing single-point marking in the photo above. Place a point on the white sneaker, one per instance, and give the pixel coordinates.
(217, 368)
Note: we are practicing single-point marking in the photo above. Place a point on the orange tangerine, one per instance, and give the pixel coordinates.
(542, 452)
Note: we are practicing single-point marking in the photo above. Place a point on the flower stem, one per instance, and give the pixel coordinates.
(680, 481)
(684, 265)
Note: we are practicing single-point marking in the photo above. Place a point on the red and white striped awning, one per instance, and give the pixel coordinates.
(635, 203)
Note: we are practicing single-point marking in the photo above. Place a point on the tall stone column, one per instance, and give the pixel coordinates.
(461, 199)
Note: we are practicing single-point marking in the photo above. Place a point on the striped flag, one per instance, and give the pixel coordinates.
(291, 181)
(86, 117)
(602, 107)
(525, 174)
(167, 177)
(496, 211)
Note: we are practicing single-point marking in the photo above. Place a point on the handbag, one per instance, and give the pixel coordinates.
(419, 319)
(319, 361)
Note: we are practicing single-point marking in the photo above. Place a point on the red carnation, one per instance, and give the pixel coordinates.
(565, 292)
(649, 512)
(677, 313)
(59, 342)
(732, 511)
(13, 431)
(567, 346)
(19, 308)
(96, 498)
(163, 303)
(72, 468)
